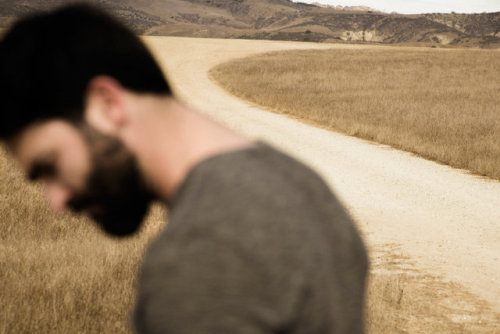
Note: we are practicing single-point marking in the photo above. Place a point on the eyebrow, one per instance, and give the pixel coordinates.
(42, 167)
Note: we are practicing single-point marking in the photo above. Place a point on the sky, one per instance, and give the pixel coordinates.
(419, 6)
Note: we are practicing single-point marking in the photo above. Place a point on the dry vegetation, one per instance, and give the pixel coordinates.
(402, 299)
(441, 104)
(284, 20)
(59, 274)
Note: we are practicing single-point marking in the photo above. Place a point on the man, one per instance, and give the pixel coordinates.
(256, 242)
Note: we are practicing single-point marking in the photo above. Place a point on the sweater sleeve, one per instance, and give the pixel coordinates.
(208, 286)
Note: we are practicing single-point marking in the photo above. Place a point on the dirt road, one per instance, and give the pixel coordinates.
(445, 220)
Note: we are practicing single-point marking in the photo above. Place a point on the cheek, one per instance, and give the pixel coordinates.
(74, 164)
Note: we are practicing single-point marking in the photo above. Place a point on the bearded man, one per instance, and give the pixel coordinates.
(256, 242)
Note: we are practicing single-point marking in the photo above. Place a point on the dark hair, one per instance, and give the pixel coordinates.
(48, 59)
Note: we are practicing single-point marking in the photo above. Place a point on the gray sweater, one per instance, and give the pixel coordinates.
(256, 243)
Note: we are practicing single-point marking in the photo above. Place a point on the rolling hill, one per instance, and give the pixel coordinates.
(284, 20)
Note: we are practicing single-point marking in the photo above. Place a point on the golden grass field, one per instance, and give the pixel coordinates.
(443, 105)
(59, 274)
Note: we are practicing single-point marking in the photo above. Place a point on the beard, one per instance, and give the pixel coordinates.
(115, 196)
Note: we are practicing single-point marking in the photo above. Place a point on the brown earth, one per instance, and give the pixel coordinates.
(284, 20)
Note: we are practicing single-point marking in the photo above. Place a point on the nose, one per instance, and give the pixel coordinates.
(57, 195)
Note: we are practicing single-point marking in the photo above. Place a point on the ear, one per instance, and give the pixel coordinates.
(105, 105)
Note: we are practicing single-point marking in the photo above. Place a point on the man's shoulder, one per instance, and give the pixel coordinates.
(256, 224)
(259, 200)
(258, 188)
(260, 170)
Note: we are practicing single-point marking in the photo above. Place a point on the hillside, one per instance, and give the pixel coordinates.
(284, 20)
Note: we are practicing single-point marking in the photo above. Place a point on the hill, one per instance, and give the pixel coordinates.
(284, 20)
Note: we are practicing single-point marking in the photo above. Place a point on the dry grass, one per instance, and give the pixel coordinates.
(402, 299)
(441, 104)
(59, 274)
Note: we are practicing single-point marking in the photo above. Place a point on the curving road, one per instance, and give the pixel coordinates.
(446, 220)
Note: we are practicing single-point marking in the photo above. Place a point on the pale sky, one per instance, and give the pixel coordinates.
(420, 6)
